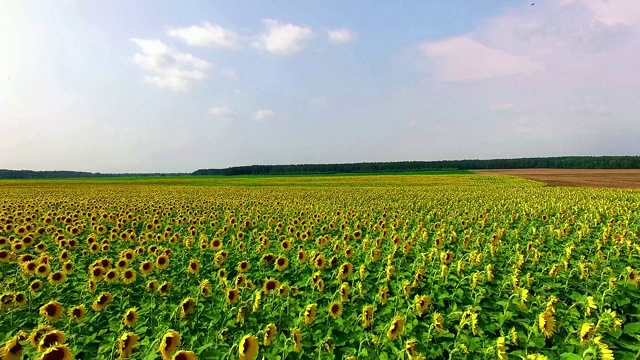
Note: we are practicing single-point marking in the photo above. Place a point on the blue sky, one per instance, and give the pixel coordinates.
(168, 86)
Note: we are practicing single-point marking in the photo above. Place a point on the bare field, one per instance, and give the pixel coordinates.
(611, 178)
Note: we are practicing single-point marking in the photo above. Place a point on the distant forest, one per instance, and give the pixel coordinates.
(29, 174)
(564, 162)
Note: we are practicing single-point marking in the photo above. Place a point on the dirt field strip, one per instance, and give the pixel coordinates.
(597, 178)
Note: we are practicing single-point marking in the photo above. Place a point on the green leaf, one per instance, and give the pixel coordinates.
(633, 328)
(570, 356)
(384, 356)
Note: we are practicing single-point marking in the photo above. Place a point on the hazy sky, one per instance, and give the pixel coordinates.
(145, 86)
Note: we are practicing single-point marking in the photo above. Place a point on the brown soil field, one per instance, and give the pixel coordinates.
(610, 178)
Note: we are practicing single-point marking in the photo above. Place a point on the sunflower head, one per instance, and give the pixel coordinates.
(169, 344)
(186, 307)
(130, 317)
(270, 332)
(395, 328)
(309, 314)
(50, 339)
(185, 355)
(248, 348)
(57, 352)
(52, 311)
(126, 344)
(77, 313)
(335, 309)
(270, 285)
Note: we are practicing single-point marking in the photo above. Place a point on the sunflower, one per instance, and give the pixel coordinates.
(43, 270)
(302, 256)
(243, 266)
(58, 352)
(248, 348)
(421, 303)
(283, 290)
(186, 307)
(91, 286)
(6, 256)
(586, 332)
(126, 343)
(383, 294)
(547, 323)
(267, 259)
(111, 276)
(57, 278)
(632, 276)
(164, 289)
(146, 268)
(102, 301)
(162, 262)
(590, 305)
(319, 261)
(152, 286)
(222, 274)
(216, 244)
(20, 298)
(194, 266)
(77, 313)
(270, 285)
(309, 314)
(122, 264)
(130, 317)
(294, 291)
(7, 301)
(395, 328)
(281, 263)
(52, 311)
(37, 333)
(128, 276)
(12, 349)
(169, 344)
(30, 267)
(344, 292)
(501, 348)
(330, 345)
(67, 267)
(605, 351)
(205, 288)
(97, 273)
(50, 339)
(345, 271)
(240, 280)
(35, 286)
(270, 332)
(335, 309)
(438, 322)
(240, 315)
(232, 296)
(296, 336)
(185, 355)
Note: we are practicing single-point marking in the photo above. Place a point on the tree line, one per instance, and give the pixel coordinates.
(563, 162)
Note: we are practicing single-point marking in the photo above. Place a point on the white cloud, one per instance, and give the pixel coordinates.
(223, 112)
(231, 74)
(167, 68)
(341, 35)
(283, 39)
(206, 35)
(612, 12)
(462, 58)
(263, 115)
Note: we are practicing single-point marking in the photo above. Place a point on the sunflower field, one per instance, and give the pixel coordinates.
(354, 267)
